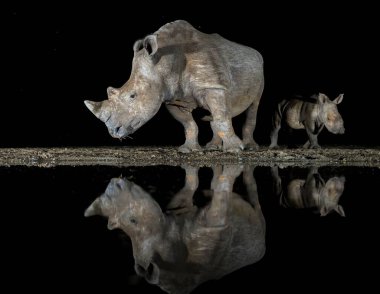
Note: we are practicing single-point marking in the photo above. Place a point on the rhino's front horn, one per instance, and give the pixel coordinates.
(93, 209)
(94, 107)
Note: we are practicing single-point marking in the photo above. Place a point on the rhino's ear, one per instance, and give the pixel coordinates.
(112, 93)
(150, 44)
(338, 99)
(139, 44)
(339, 209)
(322, 98)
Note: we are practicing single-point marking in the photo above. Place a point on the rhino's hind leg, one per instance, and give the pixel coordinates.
(306, 145)
(221, 124)
(276, 126)
(191, 129)
(249, 127)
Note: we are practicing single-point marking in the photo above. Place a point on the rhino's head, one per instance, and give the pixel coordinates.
(128, 207)
(139, 99)
(330, 196)
(329, 113)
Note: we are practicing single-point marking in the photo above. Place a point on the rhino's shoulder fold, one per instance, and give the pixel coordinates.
(177, 32)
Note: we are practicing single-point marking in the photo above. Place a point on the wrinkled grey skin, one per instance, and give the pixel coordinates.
(318, 112)
(185, 69)
(187, 245)
(312, 192)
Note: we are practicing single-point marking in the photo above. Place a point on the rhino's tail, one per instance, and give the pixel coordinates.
(207, 118)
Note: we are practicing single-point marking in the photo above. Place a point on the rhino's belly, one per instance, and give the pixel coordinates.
(292, 117)
(240, 104)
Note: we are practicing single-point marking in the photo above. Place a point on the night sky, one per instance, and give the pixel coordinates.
(54, 57)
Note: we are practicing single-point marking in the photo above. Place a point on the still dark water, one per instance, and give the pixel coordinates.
(189, 229)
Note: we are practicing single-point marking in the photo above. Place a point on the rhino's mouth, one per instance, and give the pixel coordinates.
(121, 132)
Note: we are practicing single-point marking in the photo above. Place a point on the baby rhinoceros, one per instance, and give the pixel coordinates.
(314, 114)
(184, 68)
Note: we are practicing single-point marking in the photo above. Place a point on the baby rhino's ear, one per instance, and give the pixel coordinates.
(338, 99)
(322, 98)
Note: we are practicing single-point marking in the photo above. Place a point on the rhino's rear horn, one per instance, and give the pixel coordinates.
(112, 92)
(94, 107)
(150, 44)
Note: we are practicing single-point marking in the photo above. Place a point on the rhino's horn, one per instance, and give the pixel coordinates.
(93, 209)
(94, 107)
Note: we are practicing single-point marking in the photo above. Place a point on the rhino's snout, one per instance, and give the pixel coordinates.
(117, 132)
(339, 130)
(150, 272)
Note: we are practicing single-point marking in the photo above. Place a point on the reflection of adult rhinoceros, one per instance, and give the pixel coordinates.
(187, 245)
(185, 69)
(312, 192)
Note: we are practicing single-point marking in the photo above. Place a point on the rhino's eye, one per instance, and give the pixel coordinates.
(133, 221)
(132, 96)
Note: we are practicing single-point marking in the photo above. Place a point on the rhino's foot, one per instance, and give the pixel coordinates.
(315, 146)
(251, 146)
(212, 146)
(274, 146)
(187, 148)
(233, 145)
(233, 170)
(306, 145)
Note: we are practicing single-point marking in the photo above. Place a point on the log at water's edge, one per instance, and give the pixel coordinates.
(143, 156)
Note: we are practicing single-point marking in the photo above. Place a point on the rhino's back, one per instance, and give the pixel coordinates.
(237, 55)
(213, 61)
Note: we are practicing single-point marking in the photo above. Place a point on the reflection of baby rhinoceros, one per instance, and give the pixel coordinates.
(187, 245)
(313, 192)
(312, 115)
(185, 69)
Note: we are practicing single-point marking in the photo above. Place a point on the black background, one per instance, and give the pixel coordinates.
(56, 56)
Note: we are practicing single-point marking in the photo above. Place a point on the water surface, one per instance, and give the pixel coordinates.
(181, 229)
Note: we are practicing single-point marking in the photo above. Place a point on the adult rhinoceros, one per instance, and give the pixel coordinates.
(185, 69)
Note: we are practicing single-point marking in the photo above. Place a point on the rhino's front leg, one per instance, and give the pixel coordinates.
(222, 185)
(182, 202)
(312, 132)
(215, 143)
(191, 129)
(313, 138)
(221, 124)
